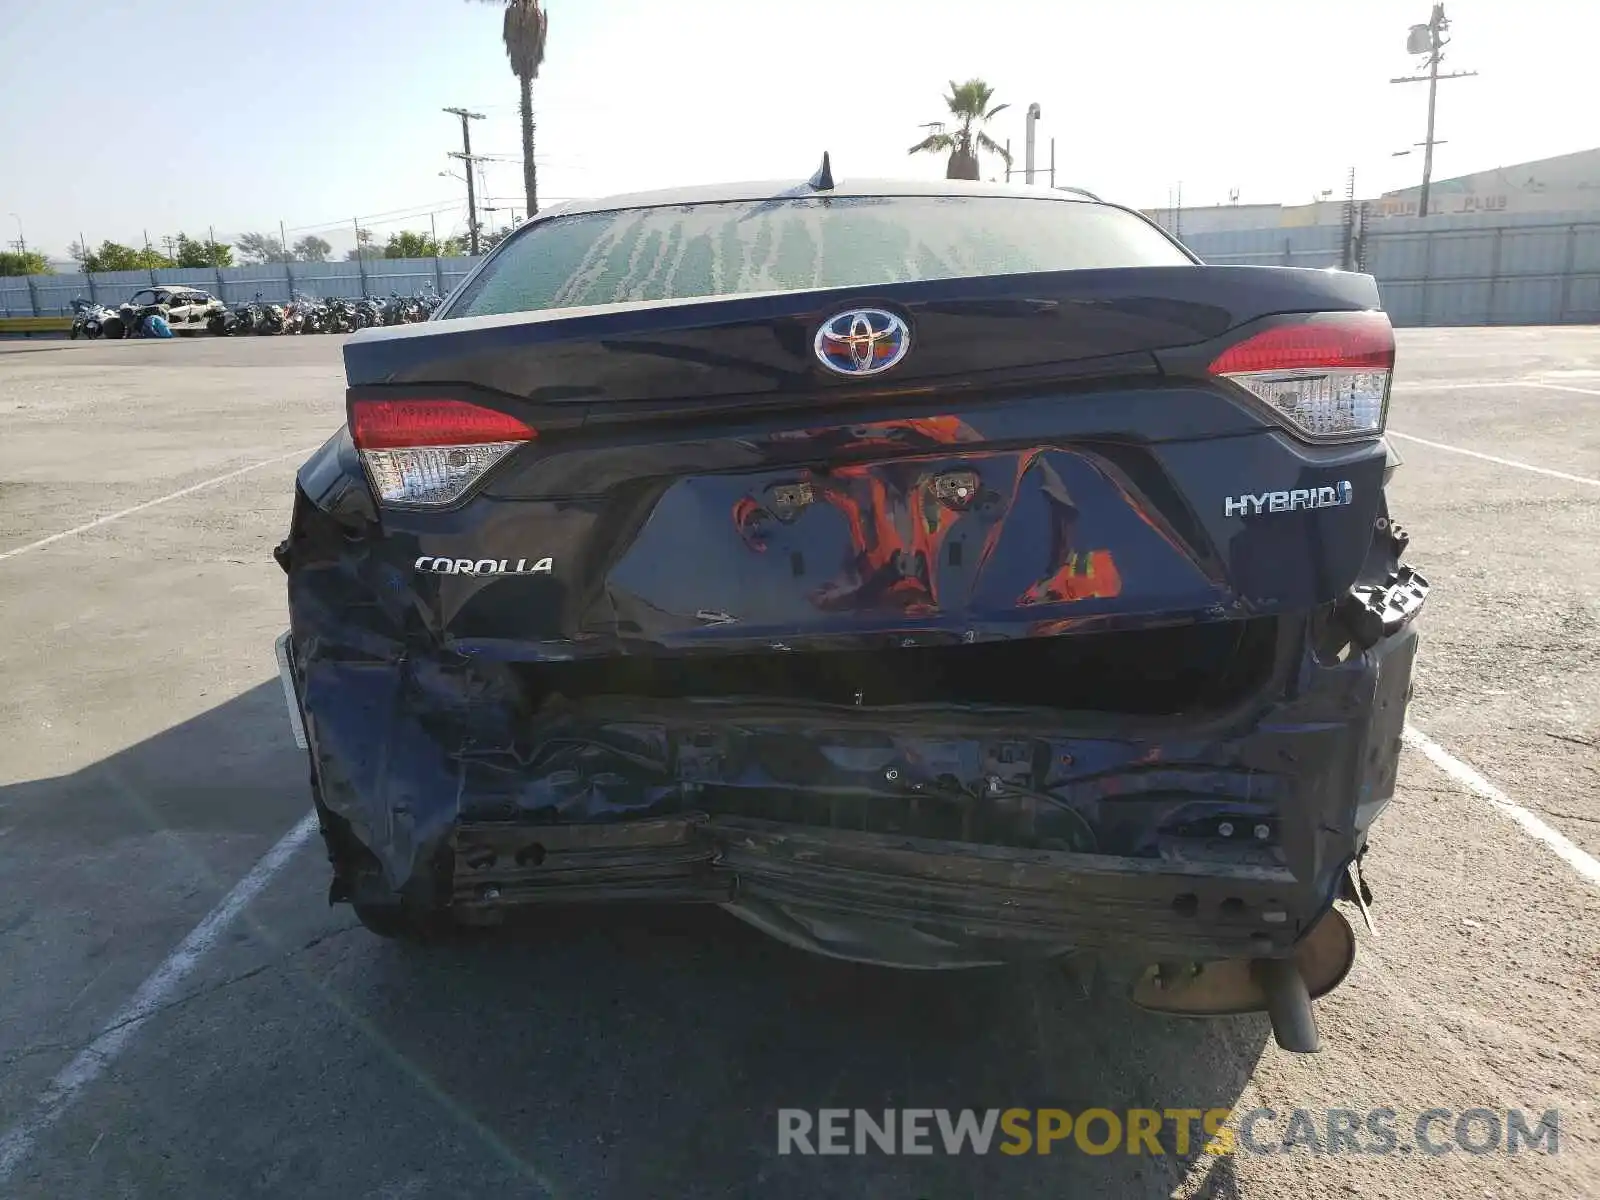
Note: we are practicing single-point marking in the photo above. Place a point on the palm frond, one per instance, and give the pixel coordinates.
(993, 147)
(998, 108)
(934, 142)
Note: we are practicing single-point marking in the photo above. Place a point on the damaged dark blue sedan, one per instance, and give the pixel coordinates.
(931, 575)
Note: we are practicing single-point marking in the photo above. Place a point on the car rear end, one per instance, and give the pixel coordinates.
(929, 579)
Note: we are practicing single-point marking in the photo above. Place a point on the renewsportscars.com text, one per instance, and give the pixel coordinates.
(1017, 1131)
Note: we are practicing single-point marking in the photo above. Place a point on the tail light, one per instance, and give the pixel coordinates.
(428, 453)
(1326, 377)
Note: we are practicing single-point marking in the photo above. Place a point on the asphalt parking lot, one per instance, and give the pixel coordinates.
(151, 1046)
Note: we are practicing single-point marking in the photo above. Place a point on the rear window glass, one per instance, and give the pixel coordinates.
(796, 243)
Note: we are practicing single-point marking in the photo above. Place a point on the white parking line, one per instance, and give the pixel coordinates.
(128, 512)
(1445, 385)
(1567, 387)
(1504, 462)
(59, 1094)
(1535, 827)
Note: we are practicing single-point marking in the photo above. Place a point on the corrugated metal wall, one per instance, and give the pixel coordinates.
(1483, 269)
(52, 295)
(1488, 269)
(1305, 246)
(1479, 269)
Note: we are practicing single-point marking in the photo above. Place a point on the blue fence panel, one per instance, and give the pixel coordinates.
(15, 298)
(1463, 254)
(1531, 301)
(54, 294)
(327, 279)
(1294, 246)
(1403, 302)
(1540, 252)
(405, 276)
(1582, 299)
(454, 271)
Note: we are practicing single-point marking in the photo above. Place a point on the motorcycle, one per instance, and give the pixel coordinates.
(242, 319)
(88, 319)
(369, 313)
(221, 323)
(272, 317)
(307, 314)
(396, 309)
(341, 316)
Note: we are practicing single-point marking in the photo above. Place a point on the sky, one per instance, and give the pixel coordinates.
(125, 120)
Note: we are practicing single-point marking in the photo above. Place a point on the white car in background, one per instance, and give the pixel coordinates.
(186, 309)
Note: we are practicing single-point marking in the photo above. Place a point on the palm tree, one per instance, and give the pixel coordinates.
(969, 104)
(524, 31)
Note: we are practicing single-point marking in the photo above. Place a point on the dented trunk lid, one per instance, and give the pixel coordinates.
(1040, 463)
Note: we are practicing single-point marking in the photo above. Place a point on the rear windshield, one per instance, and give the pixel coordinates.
(797, 243)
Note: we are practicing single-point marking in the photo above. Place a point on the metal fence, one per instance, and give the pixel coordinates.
(1305, 246)
(1479, 269)
(52, 295)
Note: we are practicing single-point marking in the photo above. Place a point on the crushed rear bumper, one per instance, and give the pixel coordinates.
(1209, 839)
(915, 902)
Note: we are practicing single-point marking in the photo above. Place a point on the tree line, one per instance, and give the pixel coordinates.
(253, 248)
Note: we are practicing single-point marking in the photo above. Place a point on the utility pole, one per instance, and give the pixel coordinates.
(1429, 39)
(1350, 256)
(22, 239)
(467, 157)
(1033, 120)
(361, 266)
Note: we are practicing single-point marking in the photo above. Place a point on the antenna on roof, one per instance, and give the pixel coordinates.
(822, 181)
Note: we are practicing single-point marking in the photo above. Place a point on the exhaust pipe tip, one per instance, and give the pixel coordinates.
(1294, 1025)
(1283, 988)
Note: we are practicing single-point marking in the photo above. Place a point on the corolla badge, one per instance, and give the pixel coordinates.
(429, 565)
(862, 341)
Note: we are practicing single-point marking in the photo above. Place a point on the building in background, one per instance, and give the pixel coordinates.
(1567, 183)
(1225, 218)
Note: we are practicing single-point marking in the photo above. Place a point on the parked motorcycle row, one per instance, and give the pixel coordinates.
(162, 312)
(308, 314)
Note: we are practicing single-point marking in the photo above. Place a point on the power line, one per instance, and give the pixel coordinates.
(416, 210)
